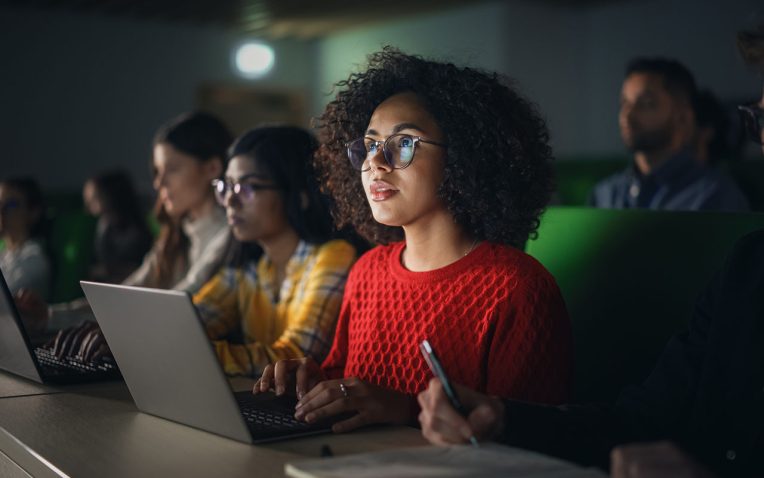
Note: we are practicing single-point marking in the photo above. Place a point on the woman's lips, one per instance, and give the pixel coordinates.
(234, 220)
(382, 191)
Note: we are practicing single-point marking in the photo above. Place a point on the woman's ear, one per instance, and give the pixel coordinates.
(213, 168)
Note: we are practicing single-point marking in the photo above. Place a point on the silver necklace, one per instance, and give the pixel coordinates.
(474, 243)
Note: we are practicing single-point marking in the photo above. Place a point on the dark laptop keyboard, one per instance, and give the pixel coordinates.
(268, 415)
(72, 364)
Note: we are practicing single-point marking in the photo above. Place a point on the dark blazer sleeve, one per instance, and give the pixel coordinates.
(657, 409)
(583, 434)
(683, 398)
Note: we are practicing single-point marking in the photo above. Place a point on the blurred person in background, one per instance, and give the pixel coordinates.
(189, 151)
(122, 237)
(23, 258)
(657, 119)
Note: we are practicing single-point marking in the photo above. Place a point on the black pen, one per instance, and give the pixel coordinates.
(437, 370)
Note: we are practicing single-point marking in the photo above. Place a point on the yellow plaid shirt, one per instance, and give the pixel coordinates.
(299, 323)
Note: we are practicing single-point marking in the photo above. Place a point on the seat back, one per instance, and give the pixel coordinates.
(749, 175)
(630, 279)
(71, 248)
(576, 177)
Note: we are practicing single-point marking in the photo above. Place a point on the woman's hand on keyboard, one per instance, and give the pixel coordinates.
(300, 375)
(85, 341)
(365, 402)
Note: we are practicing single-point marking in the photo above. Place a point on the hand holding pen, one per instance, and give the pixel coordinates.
(452, 414)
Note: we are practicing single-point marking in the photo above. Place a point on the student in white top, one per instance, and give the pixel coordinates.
(22, 257)
(189, 152)
(23, 260)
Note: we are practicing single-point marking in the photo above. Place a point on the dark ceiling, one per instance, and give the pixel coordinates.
(274, 18)
(271, 18)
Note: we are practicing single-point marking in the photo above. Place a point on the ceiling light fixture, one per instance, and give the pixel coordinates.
(254, 59)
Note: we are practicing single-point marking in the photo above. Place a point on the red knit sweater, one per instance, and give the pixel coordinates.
(495, 317)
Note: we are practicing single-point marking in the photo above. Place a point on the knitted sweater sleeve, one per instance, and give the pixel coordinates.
(531, 353)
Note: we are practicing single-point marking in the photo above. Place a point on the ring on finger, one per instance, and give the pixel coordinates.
(344, 390)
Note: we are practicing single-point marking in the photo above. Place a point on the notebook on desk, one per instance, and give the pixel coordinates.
(19, 356)
(488, 461)
(172, 370)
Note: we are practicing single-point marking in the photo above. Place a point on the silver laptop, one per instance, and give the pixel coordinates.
(20, 356)
(172, 370)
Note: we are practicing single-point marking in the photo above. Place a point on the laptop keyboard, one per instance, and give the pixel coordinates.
(268, 415)
(50, 361)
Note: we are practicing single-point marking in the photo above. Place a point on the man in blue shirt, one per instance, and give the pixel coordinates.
(657, 122)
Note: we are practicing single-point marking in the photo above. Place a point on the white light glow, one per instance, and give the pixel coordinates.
(254, 59)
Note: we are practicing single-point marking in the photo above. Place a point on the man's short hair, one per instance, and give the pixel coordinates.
(751, 46)
(677, 79)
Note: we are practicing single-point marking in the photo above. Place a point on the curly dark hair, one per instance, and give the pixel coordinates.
(498, 175)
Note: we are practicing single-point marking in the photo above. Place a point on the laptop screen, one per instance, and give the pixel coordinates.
(15, 349)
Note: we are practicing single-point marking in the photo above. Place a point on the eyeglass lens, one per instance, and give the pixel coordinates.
(244, 191)
(398, 151)
(753, 117)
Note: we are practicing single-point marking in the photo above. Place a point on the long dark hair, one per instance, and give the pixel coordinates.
(118, 198)
(206, 138)
(285, 153)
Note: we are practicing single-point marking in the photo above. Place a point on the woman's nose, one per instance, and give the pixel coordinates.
(377, 160)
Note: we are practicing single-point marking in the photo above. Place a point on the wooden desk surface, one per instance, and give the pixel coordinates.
(98, 432)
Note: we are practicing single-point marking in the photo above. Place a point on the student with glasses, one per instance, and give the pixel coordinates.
(700, 413)
(448, 169)
(280, 292)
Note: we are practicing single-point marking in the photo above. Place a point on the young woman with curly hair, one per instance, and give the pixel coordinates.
(456, 163)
